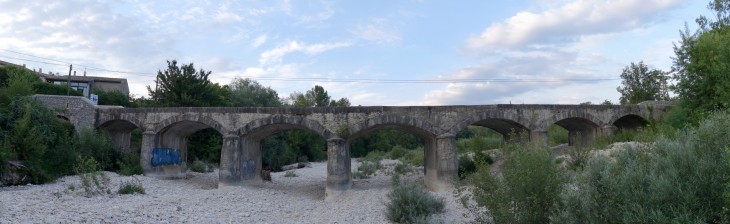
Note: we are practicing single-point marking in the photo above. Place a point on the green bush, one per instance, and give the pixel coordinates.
(397, 152)
(409, 203)
(201, 167)
(131, 187)
(53, 89)
(129, 165)
(402, 168)
(93, 180)
(374, 156)
(528, 190)
(466, 166)
(98, 145)
(414, 157)
(557, 135)
(677, 180)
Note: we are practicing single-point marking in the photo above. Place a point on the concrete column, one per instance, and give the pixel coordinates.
(230, 171)
(447, 164)
(149, 139)
(539, 137)
(339, 176)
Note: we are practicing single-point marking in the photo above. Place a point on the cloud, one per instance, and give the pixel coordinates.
(377, 31)
(260, 40)
(562, 52)
(275, 55)
(569, 21)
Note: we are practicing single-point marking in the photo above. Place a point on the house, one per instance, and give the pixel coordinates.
(87, 84)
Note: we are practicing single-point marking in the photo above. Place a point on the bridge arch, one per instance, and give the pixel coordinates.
(190, 119)
(503, 123)
(628, 121)
(582, 127)
(120, 130)
(261, 128)
(419, 127)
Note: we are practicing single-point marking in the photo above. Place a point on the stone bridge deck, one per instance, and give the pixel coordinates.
(164, 148)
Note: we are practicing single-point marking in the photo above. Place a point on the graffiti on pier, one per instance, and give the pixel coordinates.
(166, 156)
(248, 169)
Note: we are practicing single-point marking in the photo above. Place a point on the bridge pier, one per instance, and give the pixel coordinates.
(145, 156)
(607, 130)
(539, 137)
(442, 165)
(229, 172)
(339, 173)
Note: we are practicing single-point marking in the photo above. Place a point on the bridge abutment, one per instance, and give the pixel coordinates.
(339, 173)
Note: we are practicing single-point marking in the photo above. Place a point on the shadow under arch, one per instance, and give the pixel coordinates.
(509, 125)
(245, 163)
(120, 131)
(582, 127)
(629, 121)
(419, 128)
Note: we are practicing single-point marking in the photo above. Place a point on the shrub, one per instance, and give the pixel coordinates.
(397, 152)
(651, 185)
(131, 187)
(527, 191)
(93, 180)
(466, 166)
(409, 203)
(129, 165)
(402, 168)
(201, 167)
(367, 169)
(374, 156)
(290, 173)
(414, 157)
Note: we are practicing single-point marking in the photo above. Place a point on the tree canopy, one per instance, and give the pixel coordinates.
(182, 86)
(639, 83)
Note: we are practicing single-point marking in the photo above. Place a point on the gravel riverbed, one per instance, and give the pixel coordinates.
(196, 199)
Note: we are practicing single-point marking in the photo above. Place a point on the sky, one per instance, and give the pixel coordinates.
(389, 53)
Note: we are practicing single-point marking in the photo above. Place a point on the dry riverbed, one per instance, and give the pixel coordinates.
(196, 199)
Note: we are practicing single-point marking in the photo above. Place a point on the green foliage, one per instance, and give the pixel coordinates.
(205, 145)
(114, 97)
(249, 93)
(557, 135)
(373, 156)
(129, 164)
(414, 157)
(54, 89)
(528, 190)
(93, 180)
(639, 84)
(367, 169)
(131, 187)
(99, 146)
(409, 203)
(201, 167)
(383, 140)
(182, 86)
(677, 180)
(316, 97)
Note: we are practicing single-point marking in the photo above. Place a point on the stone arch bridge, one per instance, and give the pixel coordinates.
(165, 131)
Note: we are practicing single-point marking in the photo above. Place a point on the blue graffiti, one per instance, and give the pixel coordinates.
(165, 156)
(249, 169)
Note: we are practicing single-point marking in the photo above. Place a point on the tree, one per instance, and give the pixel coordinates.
(700, 67)
(182, 86)
(316, 97)
(249, 93)
(639, 83)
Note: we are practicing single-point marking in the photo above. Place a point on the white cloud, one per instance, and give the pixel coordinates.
(569, 21)
(377, 31)
(275, 55)
(260, 40)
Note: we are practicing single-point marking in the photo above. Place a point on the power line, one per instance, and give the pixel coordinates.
(384, 81)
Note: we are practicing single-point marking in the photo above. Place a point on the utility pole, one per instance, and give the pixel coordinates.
(68, 80)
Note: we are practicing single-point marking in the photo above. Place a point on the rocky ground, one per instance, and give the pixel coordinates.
(196, 199)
